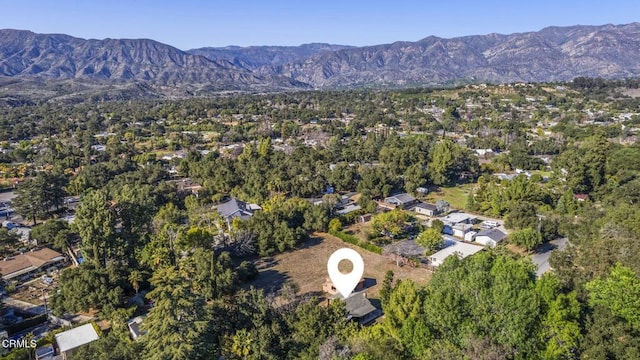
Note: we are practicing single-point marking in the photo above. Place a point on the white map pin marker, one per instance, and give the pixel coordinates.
(345, 283)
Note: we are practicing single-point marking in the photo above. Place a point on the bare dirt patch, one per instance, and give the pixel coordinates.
(307, 267)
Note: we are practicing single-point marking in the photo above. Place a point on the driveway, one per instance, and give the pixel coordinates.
(541, 257)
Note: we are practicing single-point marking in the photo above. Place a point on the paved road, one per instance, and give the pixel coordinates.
(541, 257)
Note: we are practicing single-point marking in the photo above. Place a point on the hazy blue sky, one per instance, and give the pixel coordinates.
(189, 23)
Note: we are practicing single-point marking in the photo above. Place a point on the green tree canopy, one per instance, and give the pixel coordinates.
(431, 239)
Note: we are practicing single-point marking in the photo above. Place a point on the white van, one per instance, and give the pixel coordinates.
(490, 223)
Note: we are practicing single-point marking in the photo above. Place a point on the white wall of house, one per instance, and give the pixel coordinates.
(486, 241)
(469, 236)
(423, 211)
(459, 232)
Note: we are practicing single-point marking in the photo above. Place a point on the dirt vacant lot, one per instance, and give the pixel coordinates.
(307, 267)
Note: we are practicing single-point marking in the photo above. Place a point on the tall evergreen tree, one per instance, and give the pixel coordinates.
(176, 321)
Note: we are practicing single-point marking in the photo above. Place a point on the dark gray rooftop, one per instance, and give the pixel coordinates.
(400, 199)
(427, 206)
(358, 305)
(495, 234)
(233, 208)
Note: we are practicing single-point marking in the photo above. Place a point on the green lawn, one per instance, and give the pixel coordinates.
(456, 196)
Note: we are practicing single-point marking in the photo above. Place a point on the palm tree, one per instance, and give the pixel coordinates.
(135, 278)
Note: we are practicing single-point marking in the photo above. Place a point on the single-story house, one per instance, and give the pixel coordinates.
(490, 237)
(460, 249)
(426, 209)
(348, 209)
(402, 201)
(134, 327)
(30, 263)
(186, 186)
(461, 229)
(581, 197)
(70, 340)
(458, 218)
(235, 208)
(470, 236)
(45, 352)
(359, 308)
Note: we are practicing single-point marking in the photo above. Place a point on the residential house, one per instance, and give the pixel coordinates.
(134, 327)
(402, 201)
(70, 340)
(470, 236)
(490, 237)
(461, 229)
(30, 263)
(426, 209)
(235, 208)
(581, 197)
(45, 352)
(359, 308)
(453, 219)
(187, 186)
(460, 249)
(348, 209)
(459, 218)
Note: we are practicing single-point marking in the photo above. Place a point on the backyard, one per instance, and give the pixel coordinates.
(307, 267)
(456, 196)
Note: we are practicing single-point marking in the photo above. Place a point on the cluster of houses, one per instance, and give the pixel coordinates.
(462, 232)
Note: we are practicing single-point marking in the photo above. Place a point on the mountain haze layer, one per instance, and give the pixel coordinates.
(551, 54)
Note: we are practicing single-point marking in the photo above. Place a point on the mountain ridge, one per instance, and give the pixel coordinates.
(551, 54)
(26, 54)
(554, 53)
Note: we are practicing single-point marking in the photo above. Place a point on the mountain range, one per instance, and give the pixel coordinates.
(551, 54)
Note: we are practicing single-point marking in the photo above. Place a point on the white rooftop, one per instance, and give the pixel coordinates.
(347, 209)
(76, 337)
(459, 248)
(458, 217)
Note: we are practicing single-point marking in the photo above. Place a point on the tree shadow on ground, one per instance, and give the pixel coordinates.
(370, 282)
(313, 240)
